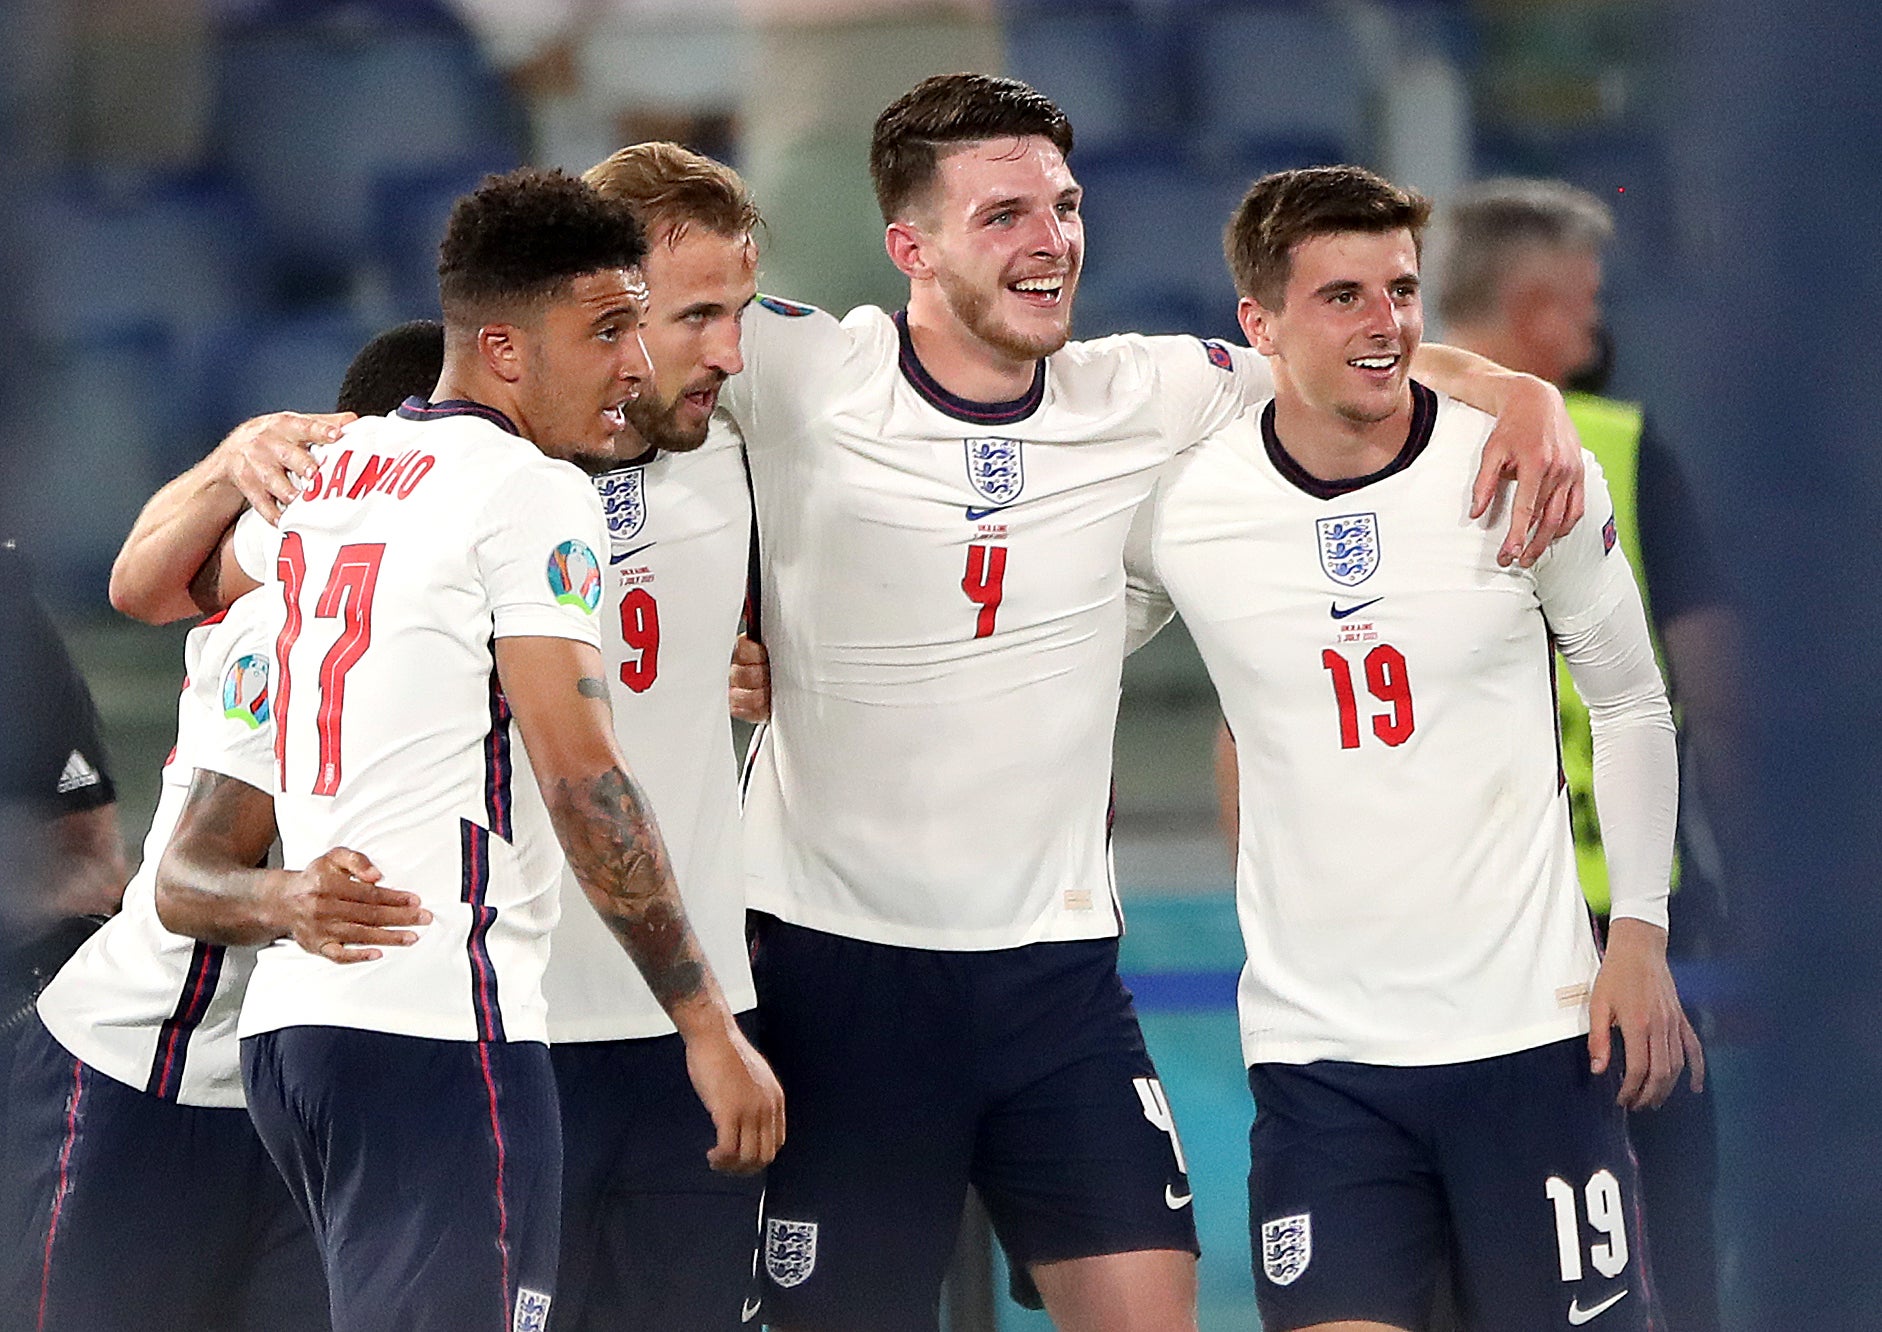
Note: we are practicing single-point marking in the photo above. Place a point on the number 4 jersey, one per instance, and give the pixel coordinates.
(1405, 876)
(423, 538)
(942, 598)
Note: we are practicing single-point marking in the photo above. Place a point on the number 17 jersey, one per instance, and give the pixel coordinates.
(423, 538)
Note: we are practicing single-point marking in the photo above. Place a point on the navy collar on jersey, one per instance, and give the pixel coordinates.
(966, 409)
(417, 409)
(1424, 417)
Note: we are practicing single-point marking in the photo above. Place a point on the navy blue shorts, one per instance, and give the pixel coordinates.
(1366, 1181)
(652, 1237)
(126, 1211)
(432, 1172)
(909, 1073)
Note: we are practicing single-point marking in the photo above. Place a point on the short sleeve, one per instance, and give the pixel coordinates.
(254, 546)
(235, 698)
(787, 346)
(1584, 576)
(539, 550)
(1204, 383)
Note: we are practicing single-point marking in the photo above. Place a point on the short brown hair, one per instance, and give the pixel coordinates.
(671, 189)
(1284, 209)
(943, 112)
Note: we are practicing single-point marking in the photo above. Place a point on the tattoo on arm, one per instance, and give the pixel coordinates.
(616, 852)
(589, 687)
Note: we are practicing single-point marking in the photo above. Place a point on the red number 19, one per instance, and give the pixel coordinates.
(1387, 681)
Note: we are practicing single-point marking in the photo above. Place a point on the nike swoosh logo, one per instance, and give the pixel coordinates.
(975, 515)
(1578, 1315)
(1347, 612)
(1175, 1201)
(630, 554)
(749, 1310)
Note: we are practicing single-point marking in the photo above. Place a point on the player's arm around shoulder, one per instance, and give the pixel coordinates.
(1147, 604)
(789, 349)
(1534, 442)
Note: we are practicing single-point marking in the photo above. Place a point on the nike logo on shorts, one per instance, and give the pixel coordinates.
(1578, 1315)
(1344, 612)
(749, 1310)
(1175, 1201)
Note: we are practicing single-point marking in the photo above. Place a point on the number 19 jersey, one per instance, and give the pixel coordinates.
(423, 538)
(942, 592)
(1405, 875)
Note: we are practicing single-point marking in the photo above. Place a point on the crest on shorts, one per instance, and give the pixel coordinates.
(1349, 547)
(997, 469)
(1286, 1247)
(532, 1311)
(790, 1250)
(624, 500)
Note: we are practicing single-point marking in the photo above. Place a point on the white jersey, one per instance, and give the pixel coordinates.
(942, 593)
(153, 1009)
(424, 537)
(1406, 875)
(679, 541)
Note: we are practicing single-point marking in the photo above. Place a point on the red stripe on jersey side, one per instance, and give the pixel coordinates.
(192, 1005)
(503, 1206)
(64, 1187)
(476, 883)
(291, 567)
(499, 766)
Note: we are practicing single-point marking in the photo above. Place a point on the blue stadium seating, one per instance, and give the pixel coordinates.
(1286, 75)
(282, 363)
(410, 208)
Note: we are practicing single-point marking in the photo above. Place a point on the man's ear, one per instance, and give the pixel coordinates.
(1257, 324)
(503, 348)
(906, 246)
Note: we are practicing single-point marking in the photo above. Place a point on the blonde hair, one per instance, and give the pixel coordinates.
(672, 189)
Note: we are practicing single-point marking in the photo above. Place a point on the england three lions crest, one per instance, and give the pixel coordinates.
(790, 1250)
(624, 500)
(1349, 547)
(1286, 1247)
(996, 468)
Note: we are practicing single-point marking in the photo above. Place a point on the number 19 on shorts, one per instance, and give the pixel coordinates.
(1606, 1247)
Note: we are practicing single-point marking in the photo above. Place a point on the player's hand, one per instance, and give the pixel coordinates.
(1535, 442)
(749, 690)
(741, 1094)
(1635, 992)
(335, 908)
(268, 458)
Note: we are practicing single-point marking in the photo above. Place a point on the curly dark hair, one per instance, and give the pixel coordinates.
(402, 362)
(519, 238)
(1282, 210)
(943, 112)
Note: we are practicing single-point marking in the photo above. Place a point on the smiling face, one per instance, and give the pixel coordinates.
(999, 238)
(698, 288)
(1349, 320)
(583, 362)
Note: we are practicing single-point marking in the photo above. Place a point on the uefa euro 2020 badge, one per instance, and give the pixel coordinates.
(1349, 547)
(624, 500)
(1286, 1247)
(575, 576)
(245, 691)
(996, 468)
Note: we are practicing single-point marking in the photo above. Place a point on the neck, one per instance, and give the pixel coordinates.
(1502, 345)
(960, 362)
(1332, 447)
(472, 383)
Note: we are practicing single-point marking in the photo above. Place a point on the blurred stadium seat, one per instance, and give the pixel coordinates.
(1154, 241)
(283, 363)
(1107, 68)
(410, 208)
(1282, 82)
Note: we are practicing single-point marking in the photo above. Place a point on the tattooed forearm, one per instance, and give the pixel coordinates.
(589, 687)
(618, 857)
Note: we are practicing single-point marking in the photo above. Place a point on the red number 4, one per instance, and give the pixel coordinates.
(348, 597)
(985, 583)
(1387, 681)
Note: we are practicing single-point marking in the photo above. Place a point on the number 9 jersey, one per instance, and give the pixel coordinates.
(423, 537)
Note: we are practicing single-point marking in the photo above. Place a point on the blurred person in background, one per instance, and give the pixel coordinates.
(139, 1195)
(1520, 282)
